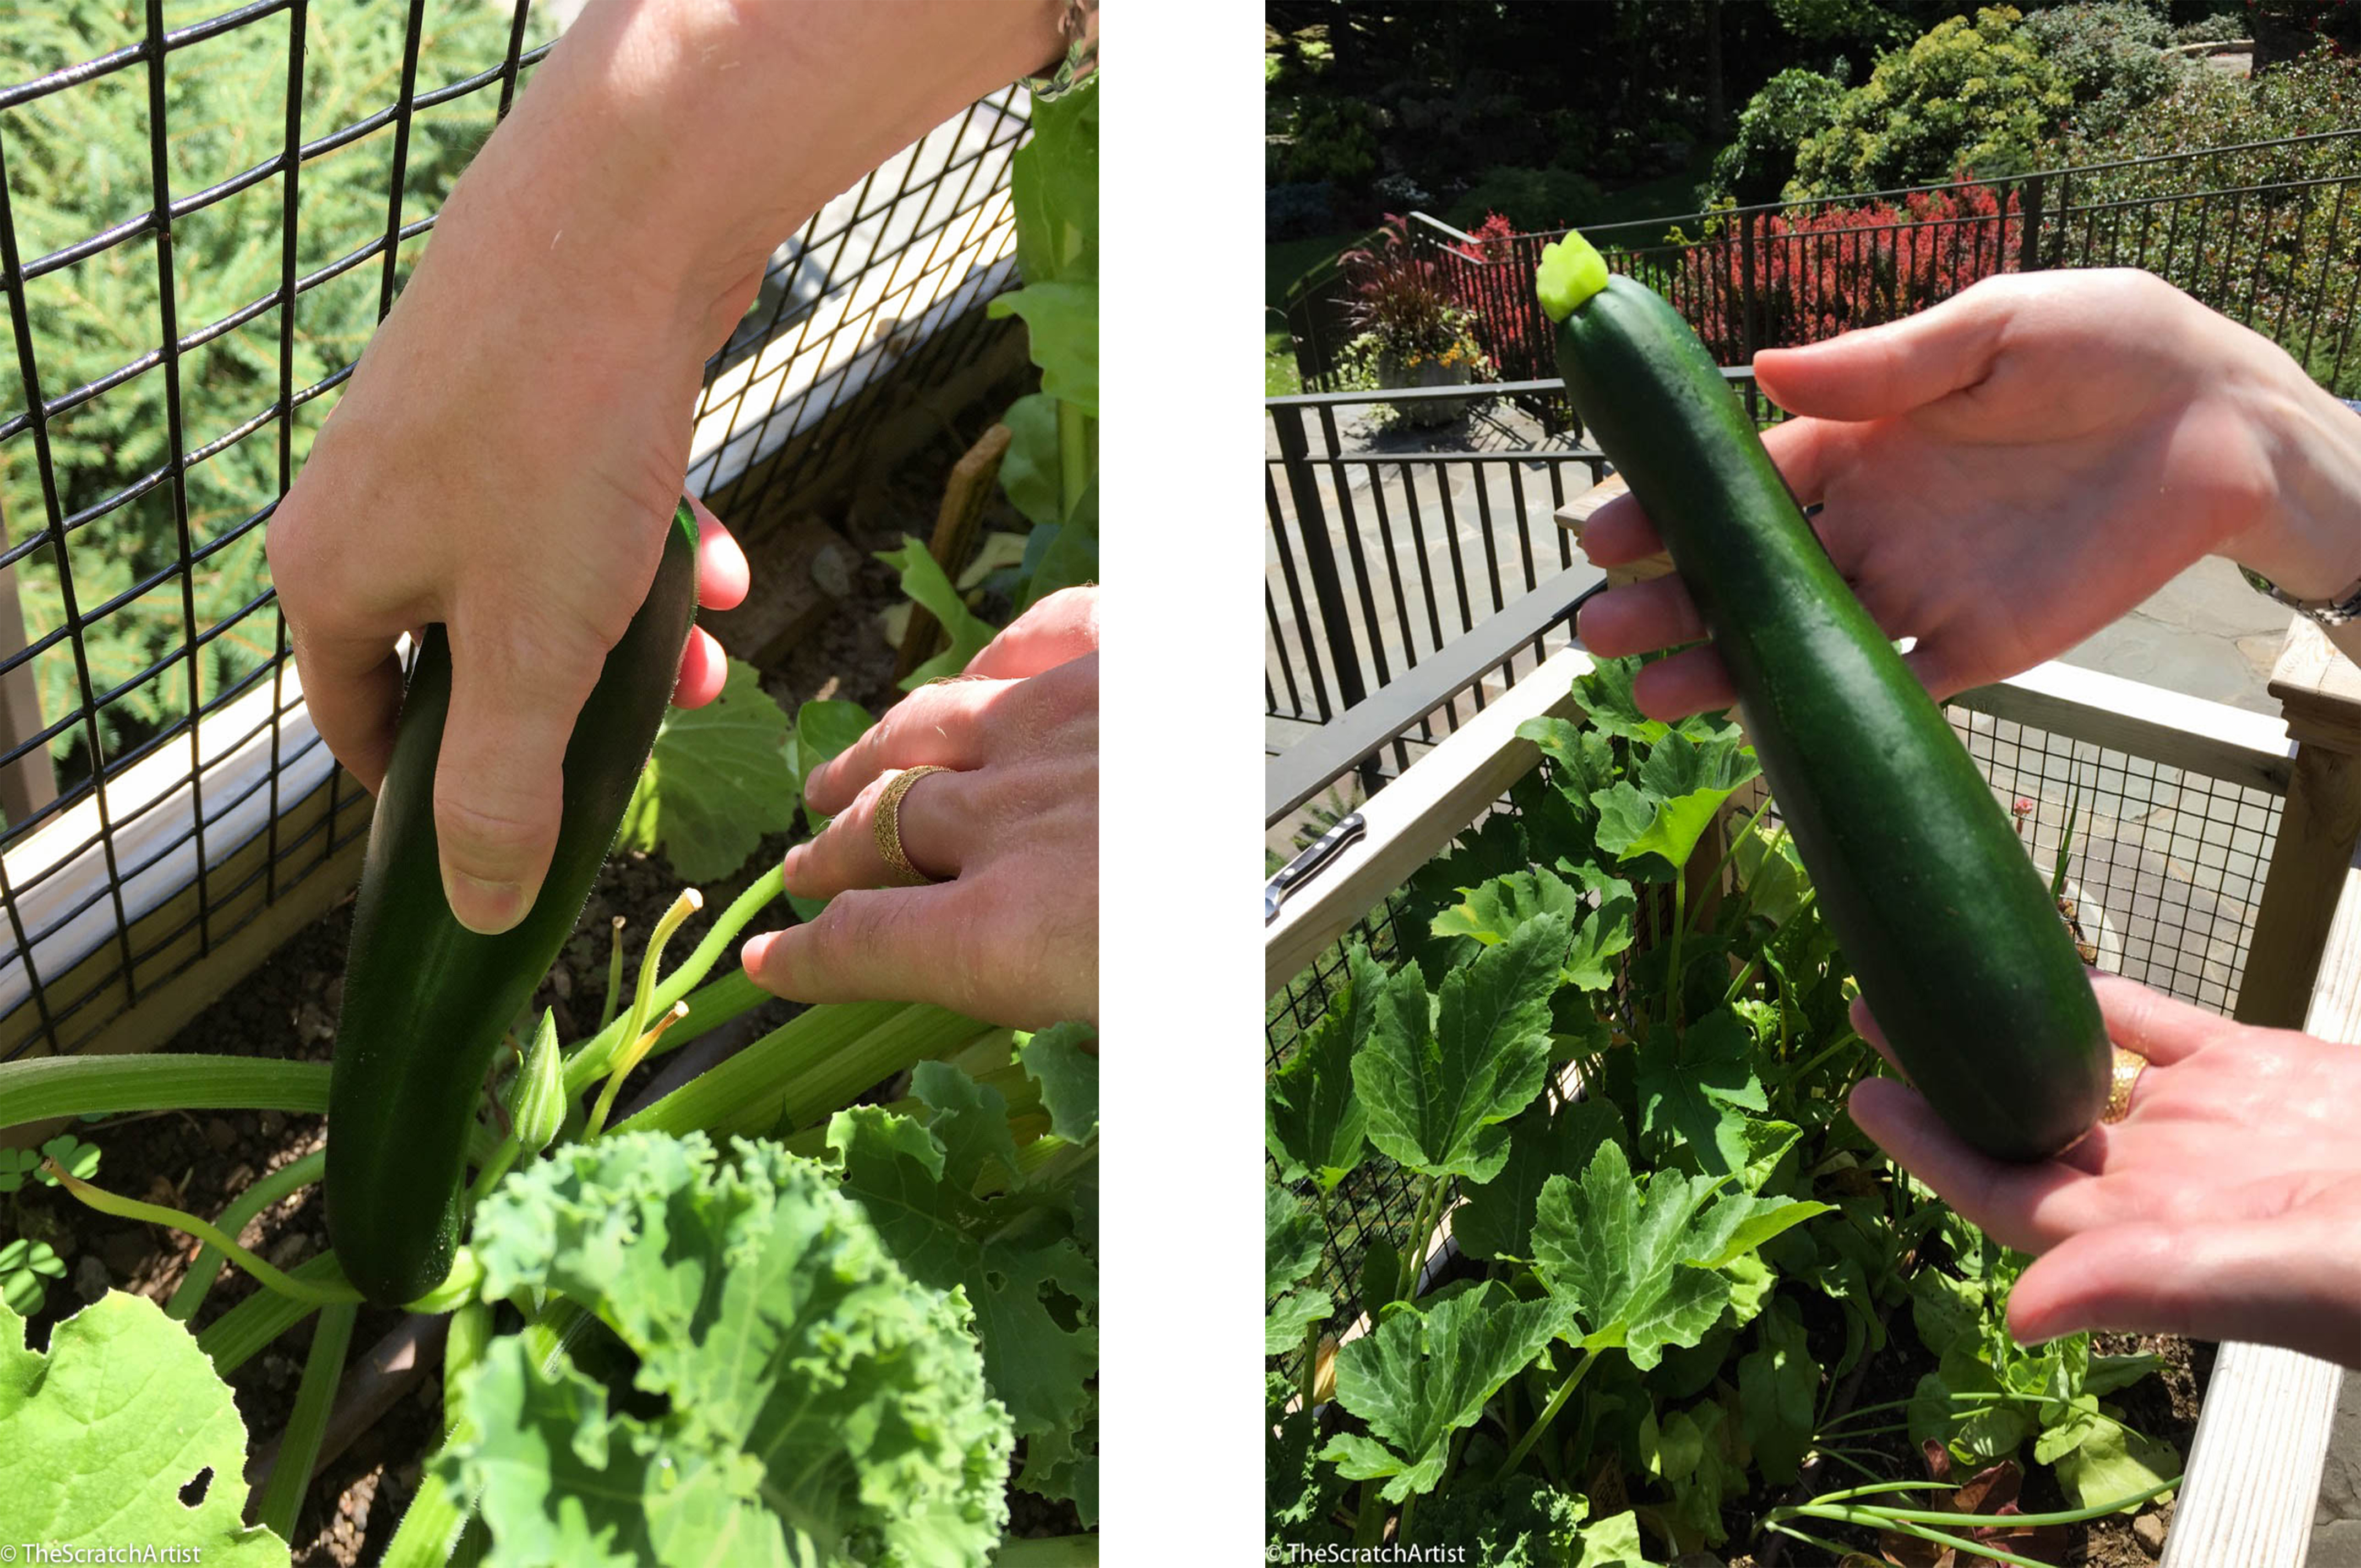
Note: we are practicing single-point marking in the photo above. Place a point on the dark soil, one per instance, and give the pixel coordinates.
(287, 1008)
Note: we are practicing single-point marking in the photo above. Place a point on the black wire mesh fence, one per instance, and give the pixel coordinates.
(203, 215)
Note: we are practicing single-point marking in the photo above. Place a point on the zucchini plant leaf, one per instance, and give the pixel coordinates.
(1437, 1086)
(1778, 1389)
(1690, 1454)
(1284, 1327)
(923, 582)
(1605, 692)
(1313, 1121)
(716, 783)
(824, 729)
(1683, 783)
(1028, 469)
(1498, 1217)
(1018, 1255)
(1069, 1077)
(1640, 1266)
(1424, 1374)
(1599, 907)
(1299, 1488)
(105, 1429)
(812, 1392)
(1291, 1237)
(1061, 322)
(1053, 187)
(2098, 1457)
(1062, 554)
(1694, 1084)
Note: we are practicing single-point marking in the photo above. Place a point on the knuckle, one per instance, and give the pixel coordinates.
(480, 835)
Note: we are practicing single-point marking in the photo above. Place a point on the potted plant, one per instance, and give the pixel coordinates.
(1411, 332)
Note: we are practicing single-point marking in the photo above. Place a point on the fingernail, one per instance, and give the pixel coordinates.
(483, 907)
(790, 864)
(751, 956)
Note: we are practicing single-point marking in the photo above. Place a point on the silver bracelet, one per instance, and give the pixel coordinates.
(2326, 613)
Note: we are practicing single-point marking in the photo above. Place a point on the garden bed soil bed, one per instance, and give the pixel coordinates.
(287, 1008)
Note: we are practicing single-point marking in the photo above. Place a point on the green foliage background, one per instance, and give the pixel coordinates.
(78, 162)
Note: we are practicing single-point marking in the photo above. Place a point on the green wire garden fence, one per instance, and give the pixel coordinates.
(204, 212)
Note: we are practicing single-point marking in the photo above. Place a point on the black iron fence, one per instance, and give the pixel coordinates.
(1387, 548)
(203, 213)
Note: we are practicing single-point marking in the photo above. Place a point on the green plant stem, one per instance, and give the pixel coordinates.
(124, 1208)
(1827, 1506)
(591, 1062)
(1754, 960)
(246, 1329)
(1549, 1413)
(463, 1347)
(208, 1266)
(1370, 1517)
(430, 1528)
(299, 1444)
(1308, 1380)
(1837, 1550)
(494, 1169)
(1073, 457)
(806, 1067)
(1843, 1039)
(1680, 923)
(630, 1058)
(614, 1002)
(1972, 1550)
(1730, 849)
(48, 1087)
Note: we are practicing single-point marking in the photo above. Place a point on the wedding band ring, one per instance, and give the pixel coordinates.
(2128, 1066)
(889, 824)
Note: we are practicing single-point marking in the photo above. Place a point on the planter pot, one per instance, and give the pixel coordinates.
(1393, 374)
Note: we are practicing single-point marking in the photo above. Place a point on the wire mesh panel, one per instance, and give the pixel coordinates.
(204, 213)
(2165, 865)
(1376, 1202)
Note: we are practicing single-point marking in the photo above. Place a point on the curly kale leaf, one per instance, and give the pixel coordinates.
(821, 1407)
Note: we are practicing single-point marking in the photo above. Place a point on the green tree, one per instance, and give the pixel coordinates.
(1975, 96)
(1792, 107)
(78, 163)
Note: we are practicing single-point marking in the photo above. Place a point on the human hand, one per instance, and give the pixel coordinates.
(2223, 1206)
(2007, 472)
(1010, 933)
(505, 463)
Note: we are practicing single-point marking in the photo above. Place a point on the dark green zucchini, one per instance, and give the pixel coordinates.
(1946, 923)
(426, 1000)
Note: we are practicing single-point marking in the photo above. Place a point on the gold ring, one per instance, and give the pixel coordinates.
(2128, 1066)
(889, 824)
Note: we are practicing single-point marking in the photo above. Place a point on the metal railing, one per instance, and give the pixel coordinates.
(1381, 555)
(180, 328)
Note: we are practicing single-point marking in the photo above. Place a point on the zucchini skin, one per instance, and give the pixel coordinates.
(427, 1001)
(1947, 926)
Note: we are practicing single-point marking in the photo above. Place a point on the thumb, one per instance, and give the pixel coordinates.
(1882, 371)
(500, 778)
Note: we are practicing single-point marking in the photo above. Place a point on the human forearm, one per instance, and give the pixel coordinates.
(670, 144)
